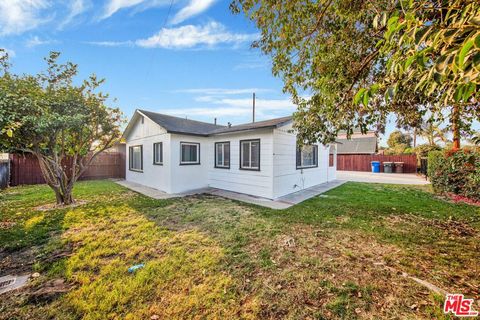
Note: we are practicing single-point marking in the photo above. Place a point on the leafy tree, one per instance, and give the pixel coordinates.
(324, 50)
(475, 138)
(64, 125)
(351, 63)
(397, 137)
(398, 142)
(432, 48)
(433, 133)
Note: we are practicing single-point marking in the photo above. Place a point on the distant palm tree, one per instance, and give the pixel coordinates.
(475, 138)
(433, 133)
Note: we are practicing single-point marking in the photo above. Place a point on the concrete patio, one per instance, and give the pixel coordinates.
(279, 203)
(390, 178)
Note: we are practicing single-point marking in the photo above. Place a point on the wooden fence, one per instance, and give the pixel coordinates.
(362, 162)
(24, 169)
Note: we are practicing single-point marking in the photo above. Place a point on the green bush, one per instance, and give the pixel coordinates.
(456, 172)
(423, 150)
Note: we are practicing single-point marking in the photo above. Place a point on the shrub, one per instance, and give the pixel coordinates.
(456, 172)
(423, 150)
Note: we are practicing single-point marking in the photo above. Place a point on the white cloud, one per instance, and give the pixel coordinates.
(116, 5)
(222, 91)
(236, 108)
(17, 16)
(191, 36)
(36, 41)
(76, 8)
(193, 8)
(111, 43)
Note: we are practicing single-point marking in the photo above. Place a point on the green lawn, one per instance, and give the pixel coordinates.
(339, 255)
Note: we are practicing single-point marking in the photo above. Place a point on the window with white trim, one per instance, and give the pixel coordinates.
(135, 158)
(189, 153)
(222, 155)
(307, 157)
(250, 154)
(158, 153)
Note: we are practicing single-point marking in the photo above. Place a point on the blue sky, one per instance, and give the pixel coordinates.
(185, 57)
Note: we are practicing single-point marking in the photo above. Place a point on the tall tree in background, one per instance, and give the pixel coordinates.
(433, 133)
(58, 122)
(351, 63)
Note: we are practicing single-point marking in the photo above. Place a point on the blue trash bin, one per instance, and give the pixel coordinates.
(376, 166)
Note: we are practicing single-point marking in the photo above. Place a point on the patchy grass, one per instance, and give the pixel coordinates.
(335, 256)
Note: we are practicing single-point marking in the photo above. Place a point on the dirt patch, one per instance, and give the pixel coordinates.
(451, 227)
(4, 225)
(54, 206)
(48, 291)
(335, 273)
(23, 260)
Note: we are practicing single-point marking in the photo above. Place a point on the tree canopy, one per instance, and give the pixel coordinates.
(351, 63)
(397, 138)
(59, 122)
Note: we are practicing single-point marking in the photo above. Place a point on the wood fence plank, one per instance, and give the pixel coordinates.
(361, 162)
(26, 170)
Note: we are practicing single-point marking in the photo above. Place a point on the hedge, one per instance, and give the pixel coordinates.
(456, 172)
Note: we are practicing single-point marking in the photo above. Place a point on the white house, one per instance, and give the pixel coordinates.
(177, 155)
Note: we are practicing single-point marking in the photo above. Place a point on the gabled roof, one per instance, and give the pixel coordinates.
(193, 127)
(273, 123)
(181, 125)
(363, 145)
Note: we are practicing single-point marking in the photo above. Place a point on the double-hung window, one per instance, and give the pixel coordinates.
(222, 155)
(250, 154)
(307, 156)
(158, 153)
(189, 153)
(135, 156)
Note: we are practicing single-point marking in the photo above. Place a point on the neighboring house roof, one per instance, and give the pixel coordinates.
(193, 127)
(364, 145)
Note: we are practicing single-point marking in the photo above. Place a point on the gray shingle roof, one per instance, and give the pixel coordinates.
(181, 125)
(366, 145)
(187, 126)
(273, 123)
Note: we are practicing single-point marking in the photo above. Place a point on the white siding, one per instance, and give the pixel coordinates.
(286, 177)
(194, 176)
(278, 175)
(257, 183)
(146, 134)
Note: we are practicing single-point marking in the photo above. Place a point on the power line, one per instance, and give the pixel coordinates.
(150, 65)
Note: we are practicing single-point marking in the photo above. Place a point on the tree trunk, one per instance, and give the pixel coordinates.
(414, 137)
(455, 127)
(64, 197)
(57, 179)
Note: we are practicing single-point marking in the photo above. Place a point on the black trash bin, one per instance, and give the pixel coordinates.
(388, 167)
(398, 167)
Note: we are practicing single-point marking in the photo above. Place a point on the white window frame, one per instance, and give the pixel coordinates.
(196, 144)
(156, 145)
(250, 141)
(222, 144)
(130, 158)
(315, 157)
